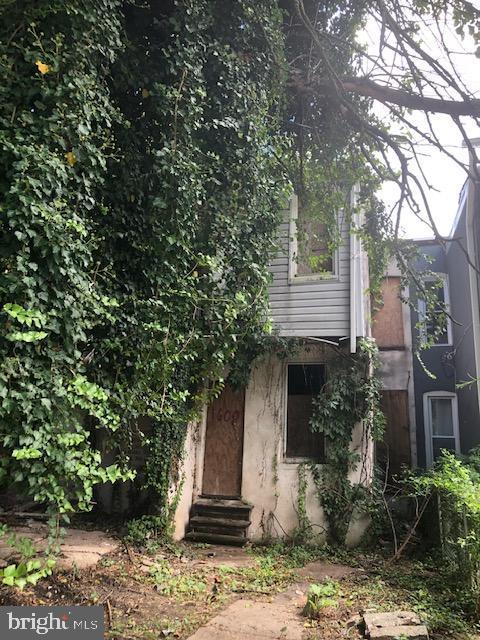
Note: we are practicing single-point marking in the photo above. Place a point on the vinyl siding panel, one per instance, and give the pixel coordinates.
(312, 307)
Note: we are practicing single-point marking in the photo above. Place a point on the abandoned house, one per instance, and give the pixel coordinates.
(431, 395)
(241, 469)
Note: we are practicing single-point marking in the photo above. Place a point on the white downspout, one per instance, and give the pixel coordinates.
(353, 273)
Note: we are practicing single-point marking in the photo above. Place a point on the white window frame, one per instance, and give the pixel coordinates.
(422, 312)
(286, 459)
(427, 421)
(293, 253)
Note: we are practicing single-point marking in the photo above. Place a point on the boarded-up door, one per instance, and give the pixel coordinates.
(222, 470)
(394, 451)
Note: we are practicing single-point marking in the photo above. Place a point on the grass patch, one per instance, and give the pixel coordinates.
(268, 576)
(181, 586)
(419, 587)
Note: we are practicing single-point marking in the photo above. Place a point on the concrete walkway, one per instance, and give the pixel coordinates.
(279, 619)
(80, 548)
(263, 620)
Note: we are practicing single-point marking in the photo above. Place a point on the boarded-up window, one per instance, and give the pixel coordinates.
(387, 326)
(394, 451)
(305, 381)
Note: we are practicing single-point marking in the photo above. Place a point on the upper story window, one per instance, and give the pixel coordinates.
(304, 382)
(435, 324)
(441, 423)
(312, 255)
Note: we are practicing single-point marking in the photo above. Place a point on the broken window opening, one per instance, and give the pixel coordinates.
(304, 383)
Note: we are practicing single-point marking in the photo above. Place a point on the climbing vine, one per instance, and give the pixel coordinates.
(146, 148)
(140, 194)
(350, 396)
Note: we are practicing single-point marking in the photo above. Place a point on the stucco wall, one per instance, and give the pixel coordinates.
(269, 483)
(187, 481)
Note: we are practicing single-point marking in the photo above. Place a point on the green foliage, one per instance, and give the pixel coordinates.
(29, 569)
(455, 484)
(179, 586)
(303, 532)
(321, 596)
(351, 395)
(55, 105)
(149, 531)
(268, 575)
(139, 193)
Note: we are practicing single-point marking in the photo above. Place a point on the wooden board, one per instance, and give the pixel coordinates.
(394, 451)
(387, 326)
(222, 469)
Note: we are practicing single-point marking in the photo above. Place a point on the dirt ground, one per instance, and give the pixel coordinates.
(175, 590)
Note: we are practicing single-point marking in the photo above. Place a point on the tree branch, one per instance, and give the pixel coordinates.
(370, 89)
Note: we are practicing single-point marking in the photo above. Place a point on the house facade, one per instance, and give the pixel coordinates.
(241, 470)
(391, 328)
(431, 394)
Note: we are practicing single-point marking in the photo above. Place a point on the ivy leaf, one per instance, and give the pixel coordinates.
(26, 336)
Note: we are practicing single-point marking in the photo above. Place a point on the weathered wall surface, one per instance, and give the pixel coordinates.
(391, 329)
(387, 325)
(269, 483)
(185, 486)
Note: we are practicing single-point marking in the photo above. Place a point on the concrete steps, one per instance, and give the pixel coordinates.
(219, 521)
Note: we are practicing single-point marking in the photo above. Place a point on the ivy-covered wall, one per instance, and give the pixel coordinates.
(139, 192)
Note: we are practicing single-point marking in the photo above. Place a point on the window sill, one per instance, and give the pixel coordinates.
(313, 278)
(297, 461)
(425, 347)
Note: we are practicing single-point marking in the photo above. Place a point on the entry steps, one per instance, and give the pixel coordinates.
(219, 521)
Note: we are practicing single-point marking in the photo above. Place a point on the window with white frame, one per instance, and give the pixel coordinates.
(312, 255)
(304, 382)
(441, 423)
(434, 321)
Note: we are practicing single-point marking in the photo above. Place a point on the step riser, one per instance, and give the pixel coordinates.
(219, 521)
(211, 538)
(220, 531)
(223, 514)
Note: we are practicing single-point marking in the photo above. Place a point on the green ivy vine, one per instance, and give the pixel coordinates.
(351, 395)
(139, 194)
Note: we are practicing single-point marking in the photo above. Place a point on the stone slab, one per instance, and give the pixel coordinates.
(405, 632)
(390, 619)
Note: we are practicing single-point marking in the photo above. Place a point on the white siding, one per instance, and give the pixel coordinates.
(316, 308)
